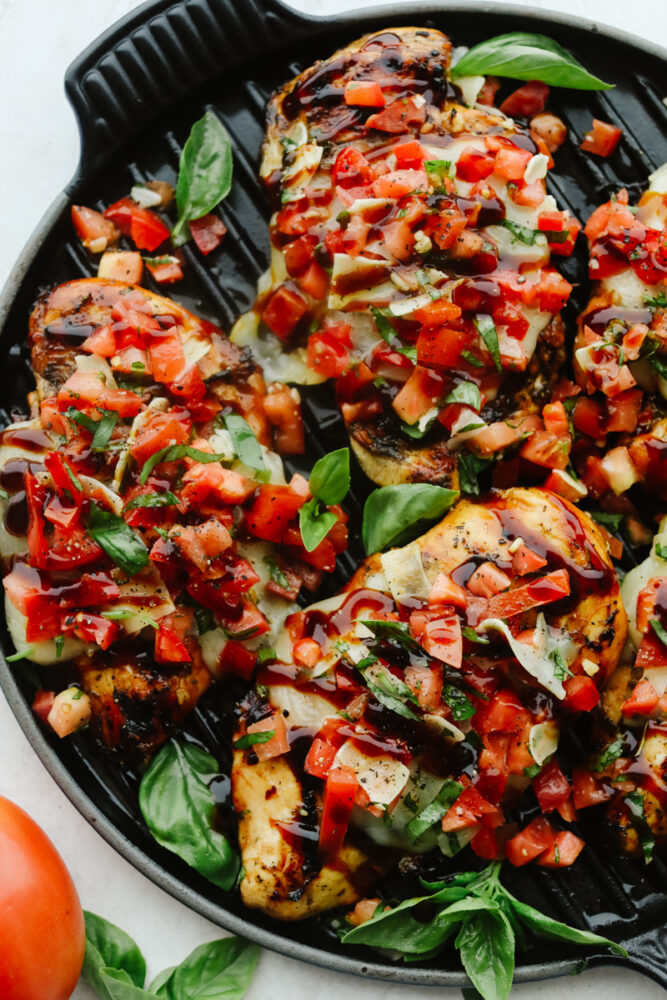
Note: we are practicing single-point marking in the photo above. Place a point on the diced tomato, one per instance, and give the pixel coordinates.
(283, 411)
(442, 639)
(588, 789)
(398, 183)
(623, 411)
(169, 648)
(441, 346)
(555, 418)
(551, 787)
(511, 161)
(561, 230)
(602, 138)
(92, 228)
(307, 652)
(651, 653)
(278, 744)
(166, 271)
(527, 100)
(326, 355)
(548, 450)
(42, 704)
(588, 417)
(418, 395)
(101, 342)
(364, 94)
(563, 852)
(545, 590)
(503, 713)
(525, 561)
(565, 485)
(488, 580)
(167, 357)
(445, 591)
(271, 511)
(410, 155)
(528, 195)
(535, 839)
(398, 116)
(502, 433)
(445, 228)
(298, 254)
(144, 227)
(485, 844)
(284, 310)
(437, 313)
(93, 628)
(468, 810)
(352, 169)
(642, 701)
(474, 164)
(339, 794)
(208, 232)
(581, 694)
(158, 430)
(319, 758)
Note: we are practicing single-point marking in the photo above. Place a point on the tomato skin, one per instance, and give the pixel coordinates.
(602, 138)
(527, 100)
(42, 933)
(535, 839)
(581, 694)
(551, 787)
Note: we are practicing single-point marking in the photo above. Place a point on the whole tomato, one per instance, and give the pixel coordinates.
(42, 935)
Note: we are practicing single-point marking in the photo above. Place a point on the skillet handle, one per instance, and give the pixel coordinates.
(158, 55)
(647, 954)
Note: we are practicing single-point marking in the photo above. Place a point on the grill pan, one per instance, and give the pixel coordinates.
(136, 92)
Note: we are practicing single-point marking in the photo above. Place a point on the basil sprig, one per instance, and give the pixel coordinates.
(486, 920)
(394, 515)
(116, 969)
(329, 483)
(246, 445)
(120, 542)
(174, 453)
(176, 802)
(204, 174)
(527, 56)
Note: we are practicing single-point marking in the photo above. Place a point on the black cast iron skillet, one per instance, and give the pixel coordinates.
(136, 91)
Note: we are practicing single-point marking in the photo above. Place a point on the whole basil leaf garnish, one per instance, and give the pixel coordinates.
(526, 56)
(330, 478)
(315, 523)
(115, 947)
(219, 970)
(177, 804)
(246, 445)
(204, 174)
(120, 542)
(394, 515)
(546, 926)
(486, 946)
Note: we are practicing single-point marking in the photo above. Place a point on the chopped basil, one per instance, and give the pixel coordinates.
(386, 330)
(251, 739)
(122, 614)
(470, 466)
(4, 495)
(204, 618)
(661, 551)
(635, 803)
(434, 812)
(659, 630)
(416, 431)
(80, 418)
(657, 363)
(521, 233)
(166, 258)
(460, 706)
(394, 515)
(397, 631)
(610, 754)
(469, 633)
(532, 770)
(59, 642)
(276, 573)
(391, 692)
(443, 167)
(561, 669)
(263, 655)
(101, 429)
(166, 499)
(174, 453)
(471, 359)
(611, 522)
(246, 445)
(204, 174)
(466, 393)
(487, 330)
(658, 302)
(123, 545)
(524, 55)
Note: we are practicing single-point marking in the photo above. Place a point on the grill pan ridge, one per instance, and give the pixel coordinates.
(135, 92)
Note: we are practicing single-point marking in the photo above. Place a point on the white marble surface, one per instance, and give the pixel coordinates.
(38, 39)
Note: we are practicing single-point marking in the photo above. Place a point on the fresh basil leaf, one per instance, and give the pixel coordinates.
(610, 754)
(434, 812)
(611, 522)
(176, 802)
(394, 515)
(218, 970)
(659, 630)
(469, 633)
(443, 167)
(398, 631)
(658, 364)
(103, 430)
(471, 359)
(527, 56)
(120, 542)
(251, 739)
(466, 393)
(391, 693)
(470, 466)
(174, 453)
(81, 418)
(59, 643)
(532, 770)
(166, 499)
(114, 984)
(635, 803)
(165, 258)
(386, 330)
(661, 551)
(246, 446)
(109, 948)
(521, 233)
(315, 523)
(486, 328)
(163, 983)
(544, 925)
(264, 655)
(204, 174)
(486, 945)
(421, 428)
(461, 707)
(330, 478)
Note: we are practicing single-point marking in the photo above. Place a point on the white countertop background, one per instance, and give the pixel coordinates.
(38, 154)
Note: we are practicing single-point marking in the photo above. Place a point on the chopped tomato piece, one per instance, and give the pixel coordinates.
(535, 839)
(503, 713)
(581, 694)
(326, 355)
(555, 418)
(467, 811)
(166, 356)
(563, 852)
(485, 844)
(642, 701)
(165, 271)
(474, 164)
(364, 94)
(238, 659)
(441, 346)
(527, 100)
(488, 580)
(551, 787)
(146, 230)
(442, 639)
(588, 789)
(284, 310)
(418, 395)
(352, 169)
(207, 232)
(278, 744)
(319, 758)
(511, 162)
(547, 589)
(548, 450)
(398, 183)
(525, 561)
(445, 591)
(398, 116)
(43, 703)
(410, 155)
(94, 231)
(602, 138)
(283, 411)
(588, 417)
(169, 647)
(102, 342)
(651, 653)
(307, 652)
(623, 411)
(339, 794)
(271, 511)
(561, 231)
(158, 430)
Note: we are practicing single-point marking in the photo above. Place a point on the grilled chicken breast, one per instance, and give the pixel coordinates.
(406, 244)
(417, 742)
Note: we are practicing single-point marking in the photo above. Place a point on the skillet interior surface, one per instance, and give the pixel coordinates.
(136, 93)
